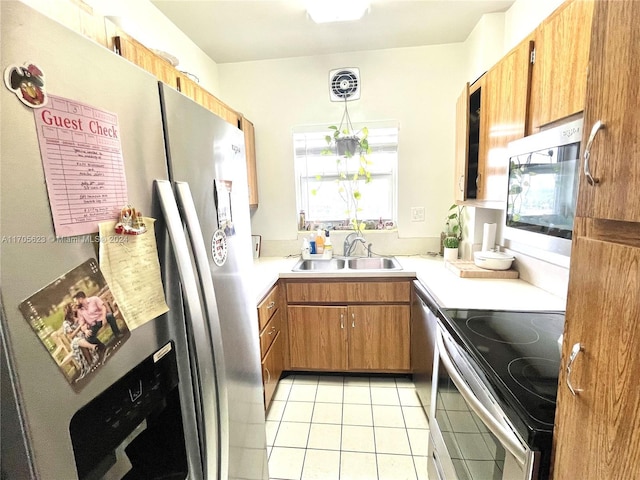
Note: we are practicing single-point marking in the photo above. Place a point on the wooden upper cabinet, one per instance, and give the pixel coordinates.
(164, 71)
(470, 147)
(506, 104)
(561, 59)
(137, 53)
(250, 151)
(198, 94)
(613, 98)
(462, 144)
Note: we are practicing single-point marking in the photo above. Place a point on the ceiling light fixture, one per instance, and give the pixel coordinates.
(325, 11)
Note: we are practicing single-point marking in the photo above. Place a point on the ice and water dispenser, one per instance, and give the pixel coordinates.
(134, 429)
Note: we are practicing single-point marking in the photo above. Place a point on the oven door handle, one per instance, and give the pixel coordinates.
(506, 437)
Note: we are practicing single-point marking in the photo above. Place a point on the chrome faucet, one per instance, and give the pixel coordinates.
(349, 243)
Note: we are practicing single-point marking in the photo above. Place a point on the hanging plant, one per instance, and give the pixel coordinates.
(347, 145)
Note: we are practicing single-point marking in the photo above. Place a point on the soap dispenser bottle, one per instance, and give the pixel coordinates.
(320, 241)
(306, 249)
(328, 246)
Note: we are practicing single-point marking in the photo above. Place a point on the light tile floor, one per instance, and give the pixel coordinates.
(343, 428)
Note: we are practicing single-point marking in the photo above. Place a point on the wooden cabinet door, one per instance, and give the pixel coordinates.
(250, 151)
(379, 337)
(613, 97)
(272, 366)
(561, 60)
(462, 144)
(596, 432)
(317, 337)
(506, 102)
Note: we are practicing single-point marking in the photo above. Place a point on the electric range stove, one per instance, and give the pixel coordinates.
(517, 352)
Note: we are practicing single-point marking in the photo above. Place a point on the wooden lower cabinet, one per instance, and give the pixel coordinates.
(273, 334)
(317, 337)
(379, 337)
(365, 337)
(596, 434)
(272, 366)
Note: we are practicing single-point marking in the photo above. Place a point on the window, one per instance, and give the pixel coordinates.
(320, 193)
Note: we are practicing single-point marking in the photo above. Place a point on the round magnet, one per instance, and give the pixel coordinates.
(219, 247)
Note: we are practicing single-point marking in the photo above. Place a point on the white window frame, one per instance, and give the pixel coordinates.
(308, 143)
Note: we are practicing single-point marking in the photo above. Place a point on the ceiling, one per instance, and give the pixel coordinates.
(246, 30)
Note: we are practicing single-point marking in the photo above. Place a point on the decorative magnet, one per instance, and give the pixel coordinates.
(219, 247)
(27, 82)
(130, 222)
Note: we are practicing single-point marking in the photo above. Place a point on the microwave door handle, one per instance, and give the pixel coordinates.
(506, 438)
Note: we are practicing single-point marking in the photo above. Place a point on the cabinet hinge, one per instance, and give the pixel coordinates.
(532, 57)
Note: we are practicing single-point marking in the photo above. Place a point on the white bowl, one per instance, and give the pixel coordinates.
(493, 260)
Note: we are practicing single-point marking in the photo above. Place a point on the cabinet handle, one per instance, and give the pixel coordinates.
(460, 183)
(268, 374)
(342, 320)
(353, 320)
(577, 348)
(587, 153)
(478, 178)
(273, 329)
(271, 305)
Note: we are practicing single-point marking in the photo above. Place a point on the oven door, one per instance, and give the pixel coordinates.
(470, 437)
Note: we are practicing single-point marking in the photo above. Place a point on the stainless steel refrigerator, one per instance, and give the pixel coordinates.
(179, 396)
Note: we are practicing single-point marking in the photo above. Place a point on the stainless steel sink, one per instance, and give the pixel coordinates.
(319, 264)
(346, 264)
(374, 263)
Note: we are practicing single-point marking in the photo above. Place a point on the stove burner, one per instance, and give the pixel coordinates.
(489, 327)
(538, 376)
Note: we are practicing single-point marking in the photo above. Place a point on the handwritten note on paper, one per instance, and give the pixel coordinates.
(130, 265)
(82, 157)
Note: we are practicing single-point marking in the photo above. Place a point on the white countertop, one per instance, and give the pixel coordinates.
(448, 289)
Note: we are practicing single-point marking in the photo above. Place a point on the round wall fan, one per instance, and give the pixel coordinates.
(344, 84)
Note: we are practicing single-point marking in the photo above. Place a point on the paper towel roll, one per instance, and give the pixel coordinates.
(489, 237)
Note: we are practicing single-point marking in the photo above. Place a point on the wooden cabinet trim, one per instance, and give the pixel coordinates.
(268, 306)
(349, 292)
(270, 332)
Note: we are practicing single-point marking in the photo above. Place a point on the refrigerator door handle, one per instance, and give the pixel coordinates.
(196, 238)
(211, 442)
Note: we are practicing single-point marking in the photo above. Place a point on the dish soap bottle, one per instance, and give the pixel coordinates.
(306, 249)
(328, 246)
(320, 241)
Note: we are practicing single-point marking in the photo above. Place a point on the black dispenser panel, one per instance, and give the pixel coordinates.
(135, 426)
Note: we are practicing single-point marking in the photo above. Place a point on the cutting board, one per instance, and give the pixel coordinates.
(466, 269)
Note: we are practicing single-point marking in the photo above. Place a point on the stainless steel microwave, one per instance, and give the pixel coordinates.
(543, 189)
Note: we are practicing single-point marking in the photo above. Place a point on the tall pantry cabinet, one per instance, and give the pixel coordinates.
(597, 432)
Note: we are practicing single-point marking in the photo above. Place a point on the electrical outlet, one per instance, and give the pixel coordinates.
(417, 214)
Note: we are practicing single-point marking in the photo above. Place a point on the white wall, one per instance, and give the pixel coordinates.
(485, 45)
(143, 21)
(415, 86)
(523, 17)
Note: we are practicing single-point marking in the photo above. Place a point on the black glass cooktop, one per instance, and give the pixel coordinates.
(518, 353)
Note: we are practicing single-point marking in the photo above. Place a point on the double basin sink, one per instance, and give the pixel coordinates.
(352, 263)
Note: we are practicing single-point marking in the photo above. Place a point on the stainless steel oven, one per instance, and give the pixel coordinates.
(480, 428)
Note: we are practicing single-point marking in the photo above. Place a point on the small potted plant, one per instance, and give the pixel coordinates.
(453, 226)
(451, 245)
